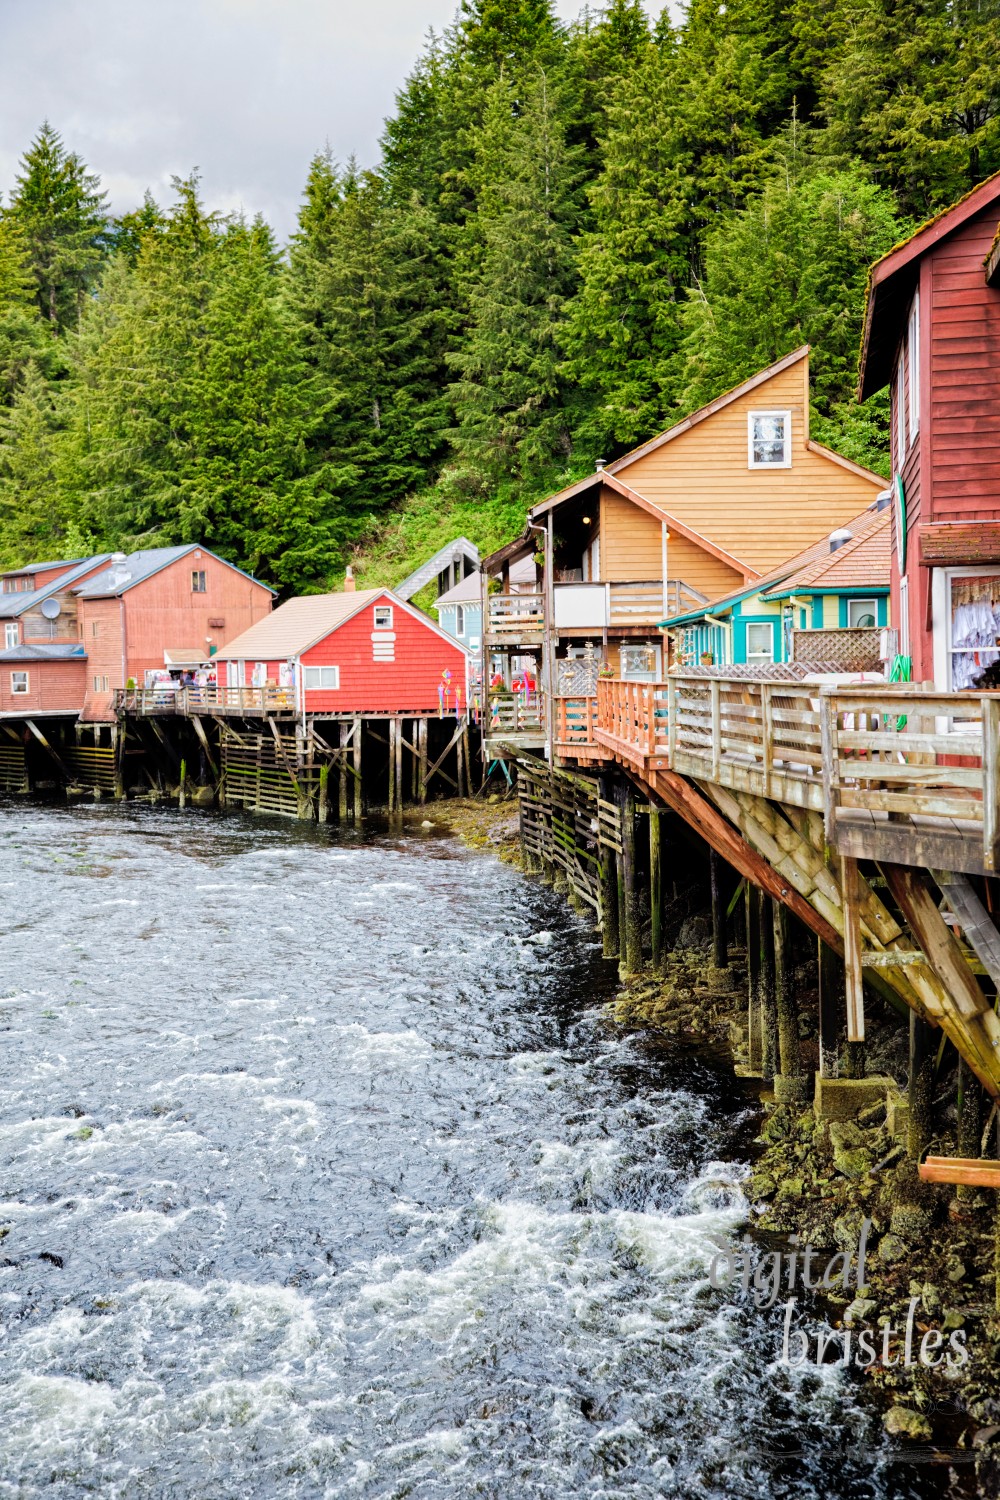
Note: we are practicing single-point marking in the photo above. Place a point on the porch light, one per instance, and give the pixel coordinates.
(585, 520)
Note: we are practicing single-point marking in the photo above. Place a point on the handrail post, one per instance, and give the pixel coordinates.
(831, 769)
(991, 783)
(671, 721)
(767, 729)
(715, 690)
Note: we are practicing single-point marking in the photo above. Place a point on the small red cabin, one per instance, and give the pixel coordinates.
(360, 652)
(932, 334)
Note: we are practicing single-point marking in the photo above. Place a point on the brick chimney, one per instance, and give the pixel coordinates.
(349, 584)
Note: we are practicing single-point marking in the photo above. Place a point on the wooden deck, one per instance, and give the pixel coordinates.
(897, 773)
(225, 702)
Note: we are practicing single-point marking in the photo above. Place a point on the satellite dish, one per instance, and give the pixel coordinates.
(51, 609)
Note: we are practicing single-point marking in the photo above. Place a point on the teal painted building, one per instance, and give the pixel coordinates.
(841, 582)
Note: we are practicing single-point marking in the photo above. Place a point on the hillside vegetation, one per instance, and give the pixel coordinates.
(574, 234)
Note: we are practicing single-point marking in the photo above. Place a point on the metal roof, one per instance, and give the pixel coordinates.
(13, 605)
(460, 550)
(138, 566)
(57, 651)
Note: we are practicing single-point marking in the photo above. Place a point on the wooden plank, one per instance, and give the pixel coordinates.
(960, 1169)
(853, 982)
(975, 920)
(913, 895)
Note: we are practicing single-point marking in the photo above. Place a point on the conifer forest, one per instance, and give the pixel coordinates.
(574, 234)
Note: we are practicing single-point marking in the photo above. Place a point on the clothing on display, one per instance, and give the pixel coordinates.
(975, 627)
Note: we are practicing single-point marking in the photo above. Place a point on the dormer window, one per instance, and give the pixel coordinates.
(769, 440)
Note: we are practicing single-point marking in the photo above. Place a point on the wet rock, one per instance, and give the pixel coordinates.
(891, 1248)
(874, 1114)
(695, 932)
(909, 1221)
(930, 1298)
(851, 1157)
(860, 1310)
(954, 1269)
(900, 1421)
(952, 1320)
(790, 1187)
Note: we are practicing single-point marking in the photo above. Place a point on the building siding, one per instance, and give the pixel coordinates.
(52, 685)
(760, 516)
(407, 684)
(631, 551)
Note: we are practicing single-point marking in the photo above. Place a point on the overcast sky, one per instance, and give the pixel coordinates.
(246, 90)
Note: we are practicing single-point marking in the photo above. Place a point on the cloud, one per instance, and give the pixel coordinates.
(245, 90)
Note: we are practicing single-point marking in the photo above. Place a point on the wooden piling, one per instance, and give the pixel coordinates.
(969, 1102)
(751, 905)
(344, 735)
(770, 1061)
(831, 992)
(656, 885)
(720, 949)
(322, 805)
(422, 759)
(181, 795)
(920, 1086)
(790, 1081)
(631, 947)
(358, 807)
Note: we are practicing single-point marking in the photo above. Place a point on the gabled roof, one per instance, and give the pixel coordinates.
(56, 651)
(13, 605)
(469, 591)
(710, 408)
(864, 562)
(817, 556)
(42, 567)
(138, 566)
(302, 622)
(605, 476)
(892, 279)
(460, 550)
(296, 625)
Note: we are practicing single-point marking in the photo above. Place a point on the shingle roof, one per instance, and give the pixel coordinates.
(43, 567)
(466, 592)
(863, 562)
(57, 651)
(296, 625)
(818, 556)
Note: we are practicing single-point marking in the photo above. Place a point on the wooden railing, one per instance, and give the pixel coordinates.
(852, 753)
(647, 603)
(511, 713)
(251, 701)
(511, 616)
(576, 720)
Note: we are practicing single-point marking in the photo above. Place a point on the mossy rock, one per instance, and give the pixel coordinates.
(891, 1248)
(900, 1421)
(909, 1221)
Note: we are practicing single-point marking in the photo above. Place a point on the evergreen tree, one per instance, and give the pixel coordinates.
(512, 398)
(362, 285)
(31, 523)
(24, 337)
(62, 213)
(915, 92)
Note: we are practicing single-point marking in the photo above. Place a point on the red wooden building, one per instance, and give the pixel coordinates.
(74, 631)
(932, 334)
(356, 652)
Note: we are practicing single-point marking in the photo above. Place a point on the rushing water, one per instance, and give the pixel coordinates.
(325, 1177)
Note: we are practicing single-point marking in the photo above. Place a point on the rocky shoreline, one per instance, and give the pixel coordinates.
(928, 1301)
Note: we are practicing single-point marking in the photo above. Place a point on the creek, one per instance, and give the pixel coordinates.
(323, 1174)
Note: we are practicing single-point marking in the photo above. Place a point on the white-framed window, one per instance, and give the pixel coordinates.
(760, 641)
(383, 617)
(913, 360)
(19, 682)
(900, 414)
(769, 440)
(460, 621)
(12, 635)
(325, 679)
(102, 684)
(198, 581)
(862, 612)
(972, 616)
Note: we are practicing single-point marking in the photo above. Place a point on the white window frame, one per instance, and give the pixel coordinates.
(760, 656)
(460, 621)
(313, 679)
(944, 650)
(900, 413)
(854, 605)
(385, 610)
(755, 416)
(16, 690)
(12, 635)
(913, 362)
